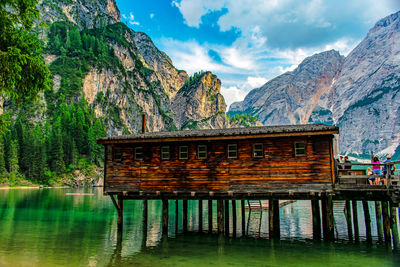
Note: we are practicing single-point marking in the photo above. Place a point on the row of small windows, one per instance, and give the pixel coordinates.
(232, 151)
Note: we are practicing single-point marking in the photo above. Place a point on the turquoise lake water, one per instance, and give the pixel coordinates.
(70, 227)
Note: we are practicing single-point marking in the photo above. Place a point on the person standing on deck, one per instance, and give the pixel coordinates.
(384, 169)
(347, 163)
(376, 169)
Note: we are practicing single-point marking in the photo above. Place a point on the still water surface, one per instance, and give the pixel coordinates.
(69, 227)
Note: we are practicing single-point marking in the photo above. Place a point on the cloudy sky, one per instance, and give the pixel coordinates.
(248, 42)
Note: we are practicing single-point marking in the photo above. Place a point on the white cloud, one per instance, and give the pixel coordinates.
(233, 56)
(255, 82)
(238, 93)
(291, 23)
(232, 94)
(152, 15)
(191, 56)
(193, 10)
(131, 19)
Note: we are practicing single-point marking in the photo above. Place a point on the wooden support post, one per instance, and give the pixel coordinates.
(165, 216)
(393, 225)
(234, 218)
(200, 216)
(184, 215)
(220, 216)
(348, 219)
(330, 219)
(226, 217)
(324, 218)
(316, 219)
(210, 216)
(378, 217)
(243, 213)
(274, 227)
(120, 220)
(144, 221)
(386, 223)
(176, 216)
(367, 218)
(355, 220)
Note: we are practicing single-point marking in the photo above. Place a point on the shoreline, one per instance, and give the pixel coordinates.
(31, 187)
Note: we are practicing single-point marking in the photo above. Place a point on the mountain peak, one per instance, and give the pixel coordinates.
(387, 20)
(83, 13)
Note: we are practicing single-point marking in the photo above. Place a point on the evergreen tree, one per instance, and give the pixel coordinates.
(56, 152)
(13, 157)
(23, 72)
(2, 161)
(39, 155)
(96, 150)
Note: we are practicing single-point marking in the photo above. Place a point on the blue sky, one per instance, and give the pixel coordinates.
(248, 42)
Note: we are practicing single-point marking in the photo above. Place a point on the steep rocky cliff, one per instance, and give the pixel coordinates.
(199, 103)
(83, 13)
(121, 73)
(358, 93)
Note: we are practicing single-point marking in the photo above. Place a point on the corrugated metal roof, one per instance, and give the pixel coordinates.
(224, 132)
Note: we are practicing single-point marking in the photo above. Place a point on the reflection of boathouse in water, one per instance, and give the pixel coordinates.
(271, 162)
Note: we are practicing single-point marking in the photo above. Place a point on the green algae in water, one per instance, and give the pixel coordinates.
(50, 227)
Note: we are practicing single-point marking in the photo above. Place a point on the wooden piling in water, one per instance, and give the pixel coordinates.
(324, 218)
(330, 219)
(184, 215)
(316, 218)
(144, 220)
(378, 217)
(234, 219)
(220, 216)
(226, 217)
(355, 220)
(347, 214)
(200, 216)
(273, 215)
(210, 216)
(393, 225)
(367, 219)
(165, 216)
(243, 213)
(386, 222)
(176, 216)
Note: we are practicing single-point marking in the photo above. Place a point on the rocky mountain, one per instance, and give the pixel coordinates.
(120, 72)
(358, 93)
(291, 97)
(199, 103)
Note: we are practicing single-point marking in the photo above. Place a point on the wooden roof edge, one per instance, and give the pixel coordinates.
(142, 138)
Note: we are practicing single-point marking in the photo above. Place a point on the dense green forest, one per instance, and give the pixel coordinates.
(46, 152)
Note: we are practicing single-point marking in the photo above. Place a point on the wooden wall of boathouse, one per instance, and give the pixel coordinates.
(279, 166)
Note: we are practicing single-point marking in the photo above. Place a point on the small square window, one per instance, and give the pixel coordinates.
(232, 151)
(258, 151)
(117, 154)
(201, 151)
(138, 153)
(300, 149)
(183, 152)
(165, 153)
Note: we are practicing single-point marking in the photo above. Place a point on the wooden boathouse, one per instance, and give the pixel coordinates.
(270, 163)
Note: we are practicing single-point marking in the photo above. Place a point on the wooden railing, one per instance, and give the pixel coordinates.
(348, 174)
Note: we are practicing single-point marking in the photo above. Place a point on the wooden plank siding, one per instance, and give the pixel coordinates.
(218, 173)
